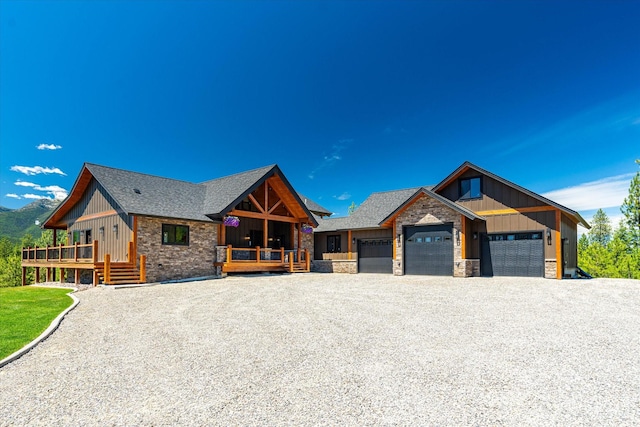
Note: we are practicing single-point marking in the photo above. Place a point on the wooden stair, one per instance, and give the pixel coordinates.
(121, 274)
(299, 268)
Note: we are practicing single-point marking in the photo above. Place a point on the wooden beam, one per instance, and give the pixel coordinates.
(463, 236)
(134, 239)
(349, 244)
(299, 237)
(293, 236)
(97, 215)
(275, 206)
(143, 268)
(223, 235)
(395, 240)
(559, 263)
(258, 215)
(515, 210)
(255, 202)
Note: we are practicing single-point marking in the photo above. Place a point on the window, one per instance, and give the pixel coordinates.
(470, 188)
(333, 244)
(175, 234)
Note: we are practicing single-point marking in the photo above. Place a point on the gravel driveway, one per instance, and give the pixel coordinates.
(332, 349)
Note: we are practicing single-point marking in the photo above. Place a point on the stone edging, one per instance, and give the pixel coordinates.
(52, 327)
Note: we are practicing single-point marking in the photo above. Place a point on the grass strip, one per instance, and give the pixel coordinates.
(26, 312)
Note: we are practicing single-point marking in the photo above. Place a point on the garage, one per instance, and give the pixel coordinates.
(374, 256)
(428, 250)
(512, 254)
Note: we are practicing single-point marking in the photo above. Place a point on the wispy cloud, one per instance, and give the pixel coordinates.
(603, 193)
(34, 196)
(331, 158)
(55, 192)
(13, 196)
(343, 196)
(37, 170)
(49, 147)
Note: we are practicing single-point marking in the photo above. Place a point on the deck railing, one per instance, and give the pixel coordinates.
(86, 253)
(267, 257)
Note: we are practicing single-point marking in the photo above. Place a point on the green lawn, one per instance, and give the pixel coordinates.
(25, 312)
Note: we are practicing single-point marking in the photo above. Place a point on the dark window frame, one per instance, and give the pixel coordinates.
(171, 231)
(471, 195)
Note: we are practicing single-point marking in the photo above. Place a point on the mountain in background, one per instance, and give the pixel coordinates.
(15, 223)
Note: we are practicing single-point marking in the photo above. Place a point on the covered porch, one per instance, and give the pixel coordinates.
(268, 230)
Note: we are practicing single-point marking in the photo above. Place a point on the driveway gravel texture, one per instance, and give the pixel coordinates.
(336, 349)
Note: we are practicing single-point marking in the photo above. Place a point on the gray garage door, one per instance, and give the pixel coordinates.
(513, 254)
(374, 256)
(429, 250)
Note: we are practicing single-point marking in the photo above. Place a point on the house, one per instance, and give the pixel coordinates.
(472, 223)
(125, 227)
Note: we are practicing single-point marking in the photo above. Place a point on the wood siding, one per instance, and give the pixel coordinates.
(97, 209)
(569, 232)
(506, 209)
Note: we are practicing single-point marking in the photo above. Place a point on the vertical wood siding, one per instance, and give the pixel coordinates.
(569, 231)
(86, 215)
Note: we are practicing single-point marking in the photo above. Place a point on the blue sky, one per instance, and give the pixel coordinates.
(348, 97)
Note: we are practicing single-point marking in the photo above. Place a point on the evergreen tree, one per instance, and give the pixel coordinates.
(600, 228)
(631, 210)
(352, 208)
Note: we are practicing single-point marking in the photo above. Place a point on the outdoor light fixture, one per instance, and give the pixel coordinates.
(458, 237)
(101, 229)
(475, 236)
(353, 240)
(398, 237)
(246, 237)
(115, 228)
(548, 236)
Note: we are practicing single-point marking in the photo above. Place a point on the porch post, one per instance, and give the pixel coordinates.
(265, 233)
(223, 235)
(349, 244)
(24, 276)
(299, 235)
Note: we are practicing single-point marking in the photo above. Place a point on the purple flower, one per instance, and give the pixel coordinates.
(231, 221)
(306, 228)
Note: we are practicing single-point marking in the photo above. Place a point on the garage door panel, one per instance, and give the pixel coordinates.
(375, 256)
(428, 250)
(513, 254)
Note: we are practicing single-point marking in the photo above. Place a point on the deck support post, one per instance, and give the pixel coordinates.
(143, 268)
(62, 275)
(291, 263)
(258, 254)
(107, 268)
(24, 276)
(76, 276)
(37, 274)
(349, 244)
(307, 261)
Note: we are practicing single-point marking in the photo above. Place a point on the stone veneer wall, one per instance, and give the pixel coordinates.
(335, 266)
(427, 211)
(172, 262)
(550, 269)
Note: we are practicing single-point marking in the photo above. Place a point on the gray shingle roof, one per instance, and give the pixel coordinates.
(157, 196)
(370, 213)
(142, 194)
(314, 207)
(223, 192)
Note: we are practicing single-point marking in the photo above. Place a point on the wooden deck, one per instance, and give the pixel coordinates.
(253, 260)
(79, 257)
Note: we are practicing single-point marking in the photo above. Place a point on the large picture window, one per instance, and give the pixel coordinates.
(470, 188)
(175, 234)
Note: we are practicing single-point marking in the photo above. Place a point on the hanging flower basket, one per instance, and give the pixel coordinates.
(231, 221)
(307, 229)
